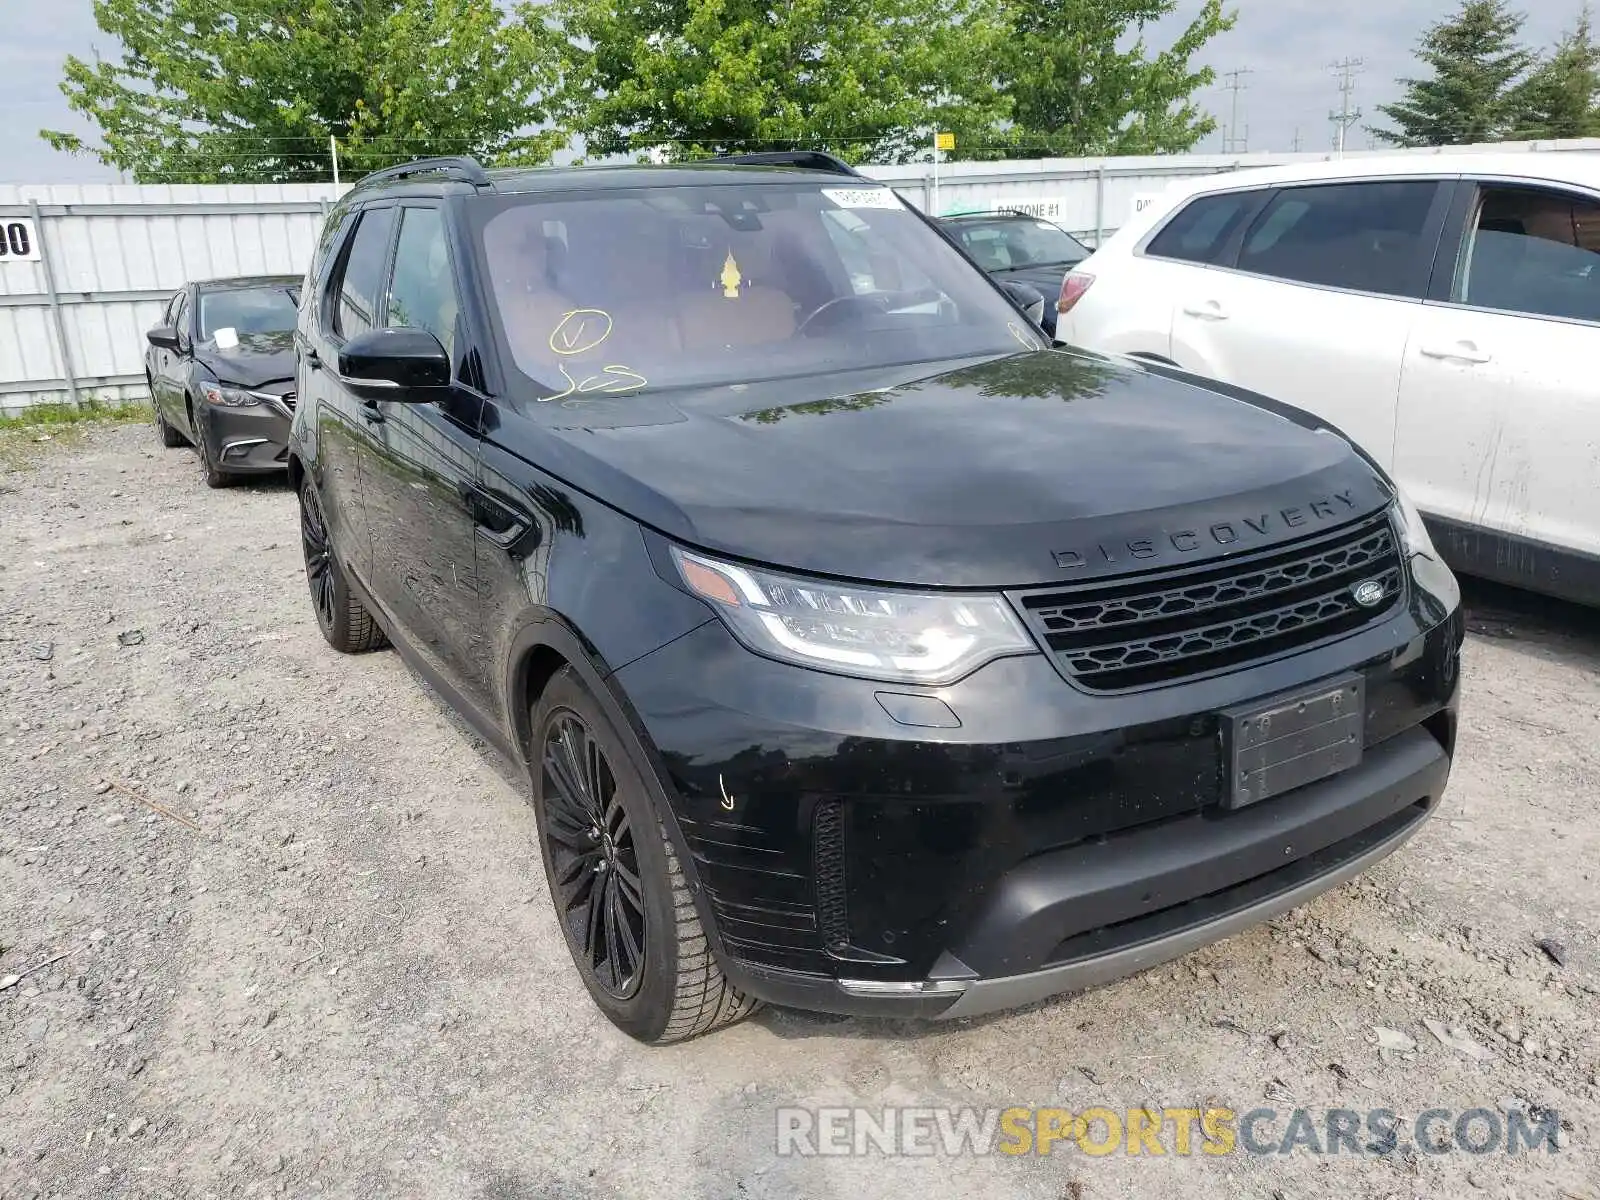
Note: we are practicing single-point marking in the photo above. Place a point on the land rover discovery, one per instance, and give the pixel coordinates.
(865, 652)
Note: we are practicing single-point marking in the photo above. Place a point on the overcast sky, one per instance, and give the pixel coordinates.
(1287, 44)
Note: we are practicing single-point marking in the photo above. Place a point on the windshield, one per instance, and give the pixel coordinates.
(1006, 243)
(627, 291)
(250, 310)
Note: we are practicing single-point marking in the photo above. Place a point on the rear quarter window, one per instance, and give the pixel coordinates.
(1200, 230)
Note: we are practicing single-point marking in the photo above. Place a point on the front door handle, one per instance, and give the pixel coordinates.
(1466, 352)
(500, 524)
(1209, 310)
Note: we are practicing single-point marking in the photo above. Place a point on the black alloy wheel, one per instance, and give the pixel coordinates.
(319, 560)
(343, 619)
(594, 861)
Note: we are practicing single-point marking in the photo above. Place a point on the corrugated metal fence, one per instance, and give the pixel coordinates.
(93, 266)
(84, 271)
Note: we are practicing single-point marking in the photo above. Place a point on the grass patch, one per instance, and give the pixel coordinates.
(24, 436)
(89, 409)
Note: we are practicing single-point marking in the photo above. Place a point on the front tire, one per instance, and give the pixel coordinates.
(214, 475)
(170, 437)
(621, 898)
(345, 622)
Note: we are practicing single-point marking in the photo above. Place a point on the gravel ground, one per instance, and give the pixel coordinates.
(327, 965)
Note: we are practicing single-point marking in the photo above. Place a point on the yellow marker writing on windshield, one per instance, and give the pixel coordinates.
(579, 330)
(582, 330)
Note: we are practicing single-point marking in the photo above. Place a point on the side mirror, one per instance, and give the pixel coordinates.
(1027, 298)
(164, 336)
(408, 366)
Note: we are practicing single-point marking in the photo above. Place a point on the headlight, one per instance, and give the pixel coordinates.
(875, 633)
(1414, 537)
(229, 397)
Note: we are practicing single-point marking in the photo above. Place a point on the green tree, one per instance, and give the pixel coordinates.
(1477, 64)
(1561, 98)
(1074, 85)
(250, 90)
(866, 79)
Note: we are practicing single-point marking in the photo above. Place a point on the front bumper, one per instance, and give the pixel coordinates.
(248, 440)
(1050, 840)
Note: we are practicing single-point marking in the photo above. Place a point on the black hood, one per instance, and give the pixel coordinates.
(258, 361)
(1027, 469)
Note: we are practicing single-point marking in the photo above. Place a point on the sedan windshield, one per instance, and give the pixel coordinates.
(249, 310)
(625, 291)
(1007, 243)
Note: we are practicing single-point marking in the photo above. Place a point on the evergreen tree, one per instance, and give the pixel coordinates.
(1561, 98)
(1473, 96)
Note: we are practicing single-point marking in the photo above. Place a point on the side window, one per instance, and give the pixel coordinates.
(360, 278)
(422, 292)
(169, 314)
(1364, 236)
(319, 256)
(1534, 252)
(180, 314)
(1201, 229)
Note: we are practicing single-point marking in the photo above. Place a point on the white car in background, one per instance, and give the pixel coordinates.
(1442, 310)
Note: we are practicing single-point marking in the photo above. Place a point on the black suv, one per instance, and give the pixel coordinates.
(866, 653)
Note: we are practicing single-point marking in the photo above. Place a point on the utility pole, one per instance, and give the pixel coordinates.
(1346, 70)
(1297, 143)
(1232, 143)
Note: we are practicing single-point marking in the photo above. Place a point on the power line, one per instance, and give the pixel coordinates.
(1346, 70)
(1232, 143)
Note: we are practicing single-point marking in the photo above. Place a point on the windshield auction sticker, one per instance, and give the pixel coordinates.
(878, 197)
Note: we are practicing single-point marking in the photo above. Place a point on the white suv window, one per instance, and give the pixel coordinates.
(1534, 252)
(1202, 228)
(1364, 236)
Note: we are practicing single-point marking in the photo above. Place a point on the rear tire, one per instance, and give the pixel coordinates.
(621, 898)
(345, 622)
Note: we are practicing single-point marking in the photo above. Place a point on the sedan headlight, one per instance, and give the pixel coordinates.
(1414, 537)
(874, 633)
(229, 397)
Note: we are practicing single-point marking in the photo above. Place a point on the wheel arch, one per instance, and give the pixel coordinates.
(546, 643)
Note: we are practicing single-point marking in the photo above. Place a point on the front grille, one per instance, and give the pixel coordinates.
(1168, 627)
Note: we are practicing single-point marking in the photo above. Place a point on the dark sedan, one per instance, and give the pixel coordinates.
(1017, 248)
(221, 371)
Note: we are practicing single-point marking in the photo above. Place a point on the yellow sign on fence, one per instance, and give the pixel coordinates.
(944, 141)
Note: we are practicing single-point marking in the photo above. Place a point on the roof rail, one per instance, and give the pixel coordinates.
(457, 166)
(811, 160)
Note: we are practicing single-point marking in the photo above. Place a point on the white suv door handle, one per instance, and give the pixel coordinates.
(1208, 311)
(1467, 352)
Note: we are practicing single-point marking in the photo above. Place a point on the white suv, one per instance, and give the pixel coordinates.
(1442, 310)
